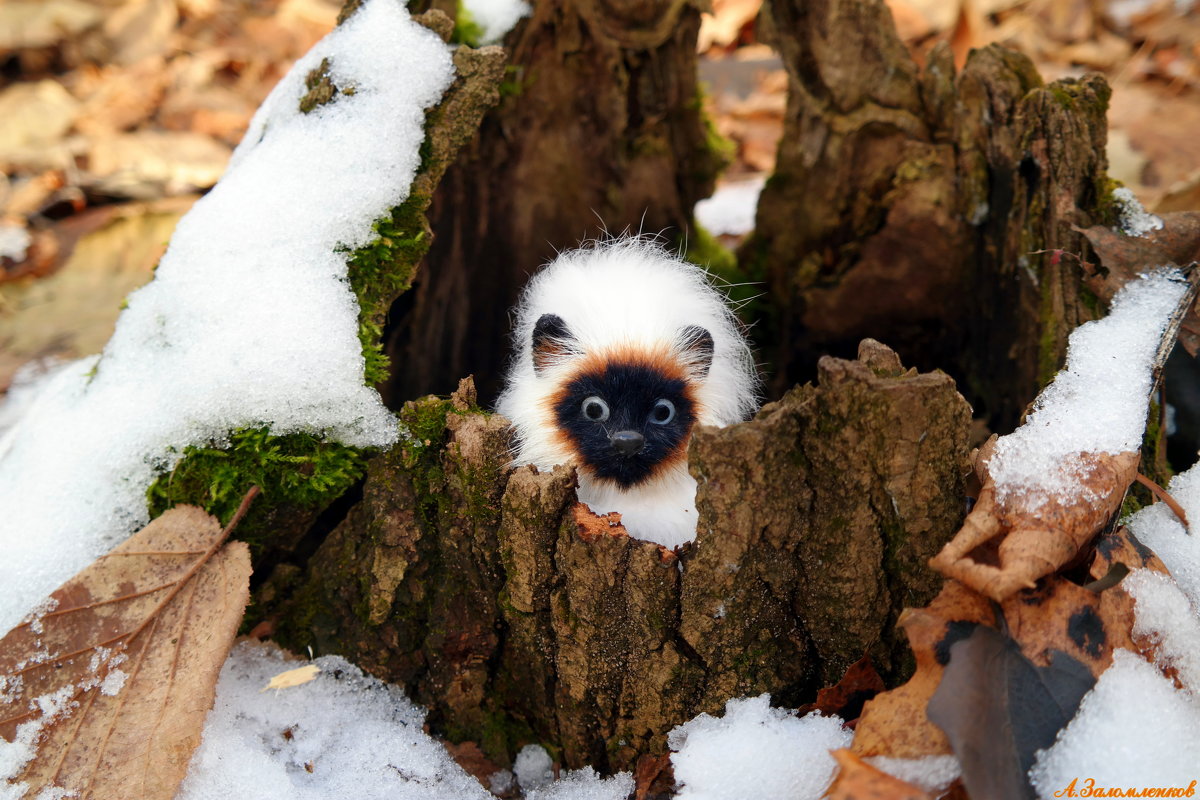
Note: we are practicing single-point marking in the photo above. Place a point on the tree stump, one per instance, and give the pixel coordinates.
(518, 616)
(599, 130)
(913, 204)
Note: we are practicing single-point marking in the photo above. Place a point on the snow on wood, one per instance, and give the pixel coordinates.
(249, 321)
(1097, 404)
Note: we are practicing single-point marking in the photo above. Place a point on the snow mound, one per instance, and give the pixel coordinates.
(756, 751)
(1159, 529)
(249, 321)
(340, 735)
(732, 208)
(1132, 217)
(1133, 729)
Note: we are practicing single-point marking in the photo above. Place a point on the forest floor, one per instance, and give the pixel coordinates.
(119, 115)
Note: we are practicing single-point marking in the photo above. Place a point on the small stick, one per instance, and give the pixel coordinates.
(1161, 494)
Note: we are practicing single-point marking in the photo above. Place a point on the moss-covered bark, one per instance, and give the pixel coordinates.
(518, 617)
(911, 205)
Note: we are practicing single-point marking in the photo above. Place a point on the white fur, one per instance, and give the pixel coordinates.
(617, 294)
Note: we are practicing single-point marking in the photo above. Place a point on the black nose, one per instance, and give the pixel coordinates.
(628, 443)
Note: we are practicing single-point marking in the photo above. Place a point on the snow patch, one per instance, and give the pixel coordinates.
(933, 774)
(533, 767)
(1133, 729)
(14, 242)
(1132, 217)
(496, 17)
(731, 209)
(585, 784)
(1164, 616)
(249, 321)
(1159, 529)
(342, 734)
(756, 751)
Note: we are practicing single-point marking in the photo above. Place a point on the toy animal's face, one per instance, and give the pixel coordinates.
(626, 421)
(626, 415)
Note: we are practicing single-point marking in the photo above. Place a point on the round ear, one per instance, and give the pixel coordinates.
(552, 340)
(696, 347)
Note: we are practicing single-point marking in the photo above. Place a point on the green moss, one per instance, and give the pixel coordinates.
(466, 30)
(423, 434)
(499, 735)
(383, 269)
(1047, 342)
(514, 82)
(297, 469)
(704, 249)
(1091, 302)
(1107, 210)
(1062, 95)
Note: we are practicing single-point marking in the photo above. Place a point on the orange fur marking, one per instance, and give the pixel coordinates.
(661, 359)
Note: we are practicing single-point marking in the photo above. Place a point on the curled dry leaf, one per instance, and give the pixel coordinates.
(858, 780)
(893, 723)
(1040, 534)
(110, 680)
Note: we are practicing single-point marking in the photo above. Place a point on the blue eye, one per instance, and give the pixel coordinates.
(664, 412)
(595, 409)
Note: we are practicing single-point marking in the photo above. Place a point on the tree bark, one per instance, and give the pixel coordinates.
(517, 616)
(912, 205)
(599, 130)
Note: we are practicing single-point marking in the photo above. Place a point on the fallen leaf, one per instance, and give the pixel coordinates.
(858, 780)
(653, 777)
(893, 723)
(44, 23)
(1123, 257)
(1182, 195)
(998, 709)
(147, 164)
(110, 680)
(293, 677)
(468, 756)
(1035, 538)
(846, 698)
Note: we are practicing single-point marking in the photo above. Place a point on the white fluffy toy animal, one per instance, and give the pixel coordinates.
(622, 349)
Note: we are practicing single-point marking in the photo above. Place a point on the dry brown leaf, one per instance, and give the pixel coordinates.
(724, 25)
(112, 679)
(845, 698)
(1037, 539)
(293, 677)
(468, 756)
(858, 780)
(653, 777)
(1059, 616)
(894, 723)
